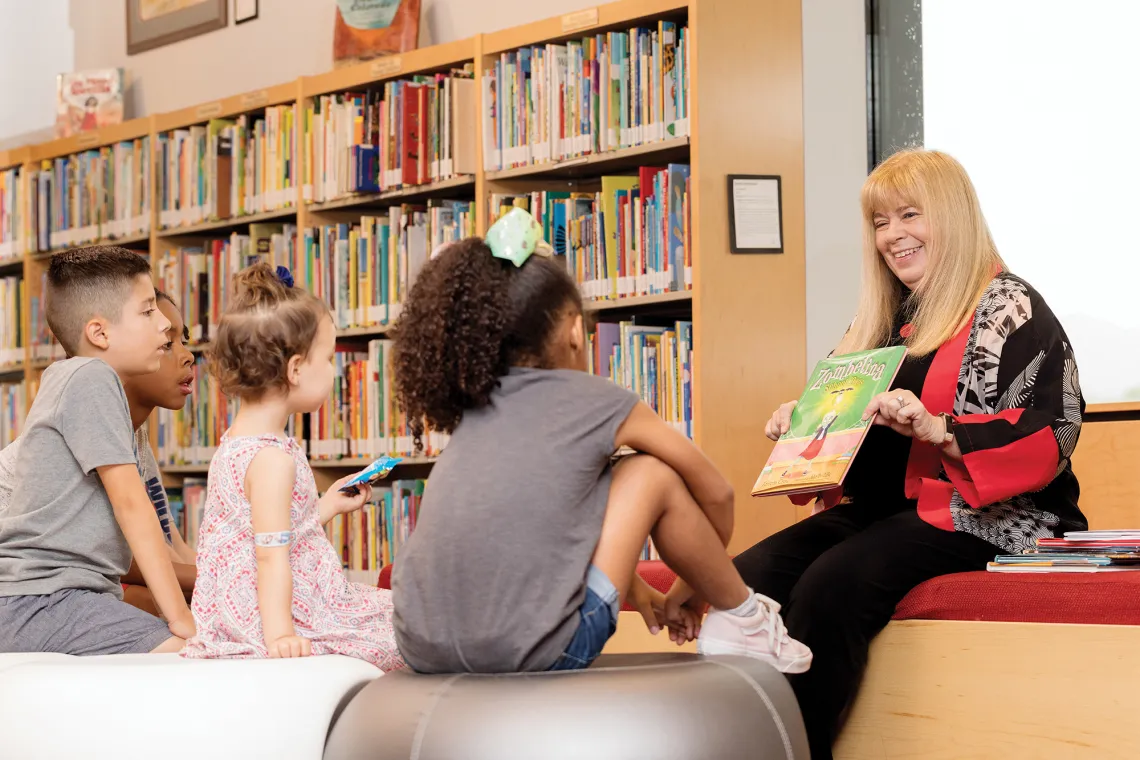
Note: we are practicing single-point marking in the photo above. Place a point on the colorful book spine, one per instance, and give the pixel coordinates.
(629, 239)
(601, 93)
(10, 215)
(44, 345)
(227, 168)
(11, 322)
(361, 418)
(364, 270)
(403, 133)
(187, 508)
(655, 362)
(99, 195)
(13, 410)
(371, 537)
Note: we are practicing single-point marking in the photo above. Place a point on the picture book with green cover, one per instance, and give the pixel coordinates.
(827, 426)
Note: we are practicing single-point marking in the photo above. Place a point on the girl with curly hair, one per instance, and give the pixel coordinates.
(269, 582)
(528, 538)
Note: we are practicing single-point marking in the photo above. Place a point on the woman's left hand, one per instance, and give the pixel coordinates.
(904, 413)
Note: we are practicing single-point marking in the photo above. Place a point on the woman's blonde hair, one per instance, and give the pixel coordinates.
(960, 253)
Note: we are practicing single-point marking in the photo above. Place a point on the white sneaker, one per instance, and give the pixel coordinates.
(762, 636)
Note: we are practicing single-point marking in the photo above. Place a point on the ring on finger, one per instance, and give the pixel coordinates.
(901, 400)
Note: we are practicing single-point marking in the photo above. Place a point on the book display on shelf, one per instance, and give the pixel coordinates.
(101, 194)
(613, 127)
(404, 133)
(370, 538)
(11, 322)
(87, 100)
(227, 168)
(13, 410)
(613, 90)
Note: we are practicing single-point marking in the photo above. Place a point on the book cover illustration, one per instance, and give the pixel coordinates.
(87, 100)
(367, 29)
(827, 425)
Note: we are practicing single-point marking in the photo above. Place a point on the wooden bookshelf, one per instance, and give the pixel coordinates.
(745, 99)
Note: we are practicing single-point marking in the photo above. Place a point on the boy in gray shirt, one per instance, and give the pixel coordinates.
(79, 508)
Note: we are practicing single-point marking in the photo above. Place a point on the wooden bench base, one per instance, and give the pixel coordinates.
(948, 690)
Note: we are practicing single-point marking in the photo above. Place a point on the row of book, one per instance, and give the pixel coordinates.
(365, 270)
(371, 537)
(227, 168)
(653, 361)
(361, 418)
(601, 93)
(10, 198)
(187, 508)
(11, 321)
(13, 410)
(44, 345)
(631, 238)
(1089, 551)
(402, 133)
(98, 194)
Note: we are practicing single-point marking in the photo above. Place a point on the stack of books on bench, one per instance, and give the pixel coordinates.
(1089, 551)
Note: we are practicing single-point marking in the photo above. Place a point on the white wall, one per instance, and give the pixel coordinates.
(36, 44)
(835, 165)
(290, 38)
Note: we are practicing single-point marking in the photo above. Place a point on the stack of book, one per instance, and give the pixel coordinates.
(227, 168)
(13, 409)
(99, 194)
(361, 418)
(409, 132)
(364, 271)
(370, 538)
(11, 321)
(10, 199)
(200, 278)
(630, 239)
(655, 362)
(1089, 551)
(601, 93)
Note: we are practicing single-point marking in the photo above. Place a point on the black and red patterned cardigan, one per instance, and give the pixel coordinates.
(1009, 379)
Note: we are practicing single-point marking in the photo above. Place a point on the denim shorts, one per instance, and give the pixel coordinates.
(597, 621)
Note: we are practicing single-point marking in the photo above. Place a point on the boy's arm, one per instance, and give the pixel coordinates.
(135, 514)
(186, 574)
(269, 486)
(644, 431)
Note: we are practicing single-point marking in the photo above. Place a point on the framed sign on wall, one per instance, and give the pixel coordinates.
(154, 23)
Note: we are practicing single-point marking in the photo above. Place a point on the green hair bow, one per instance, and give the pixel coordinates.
(516, 236)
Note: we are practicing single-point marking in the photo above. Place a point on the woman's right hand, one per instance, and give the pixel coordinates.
(780, 422)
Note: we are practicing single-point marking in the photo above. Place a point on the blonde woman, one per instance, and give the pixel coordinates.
(969, 457)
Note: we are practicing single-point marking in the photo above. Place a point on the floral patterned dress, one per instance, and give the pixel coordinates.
(337, 616)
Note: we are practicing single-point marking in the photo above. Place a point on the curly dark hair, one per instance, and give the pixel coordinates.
(265, 325)
(468, 319)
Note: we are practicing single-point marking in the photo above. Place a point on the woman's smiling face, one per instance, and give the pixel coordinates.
(900, 236)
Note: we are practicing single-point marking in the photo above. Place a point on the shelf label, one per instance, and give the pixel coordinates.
(207, 110)
(254, 99)
(572, 22)
(386, 66)
(87, 139)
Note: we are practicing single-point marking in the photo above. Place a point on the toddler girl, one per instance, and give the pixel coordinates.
(527, 540)
(269, 582)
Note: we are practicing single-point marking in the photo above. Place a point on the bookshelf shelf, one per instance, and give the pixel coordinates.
(184, 469)
(416, 192)
(228, 225)
(11, 266)
(39, 365)
(225, 108)
(361, 75)
(130, 241)
(635, 302)
(374, 331)
(99, 138)
(580, 23)
(9, 371)
(664, 151)
(358, 463)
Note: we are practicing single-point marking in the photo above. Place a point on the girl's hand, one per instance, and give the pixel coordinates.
(780, 422)
(290, 646)
(904, 413)
(335, 503)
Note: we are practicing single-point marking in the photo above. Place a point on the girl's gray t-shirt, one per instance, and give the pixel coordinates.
(492, 577)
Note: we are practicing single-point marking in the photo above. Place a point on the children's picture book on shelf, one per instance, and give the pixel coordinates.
(827, 426)
(366, 29)
(87, 100)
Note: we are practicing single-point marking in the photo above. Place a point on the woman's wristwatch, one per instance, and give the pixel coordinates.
(949, 437)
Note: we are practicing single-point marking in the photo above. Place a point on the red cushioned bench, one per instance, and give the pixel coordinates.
(1093, 598)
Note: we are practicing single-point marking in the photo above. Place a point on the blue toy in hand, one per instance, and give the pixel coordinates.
(378, 470)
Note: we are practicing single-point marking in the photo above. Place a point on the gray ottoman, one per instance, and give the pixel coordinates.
(626, 707)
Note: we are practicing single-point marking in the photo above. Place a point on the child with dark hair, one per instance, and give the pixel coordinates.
(79, 512)
(269, 582)
(527, 539)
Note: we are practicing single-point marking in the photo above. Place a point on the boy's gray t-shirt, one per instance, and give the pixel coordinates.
(493, 575)
(60, 531)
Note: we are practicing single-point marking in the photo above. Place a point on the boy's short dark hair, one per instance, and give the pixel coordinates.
(89, 282)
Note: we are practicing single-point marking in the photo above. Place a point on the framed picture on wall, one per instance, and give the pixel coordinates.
(154, 23)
